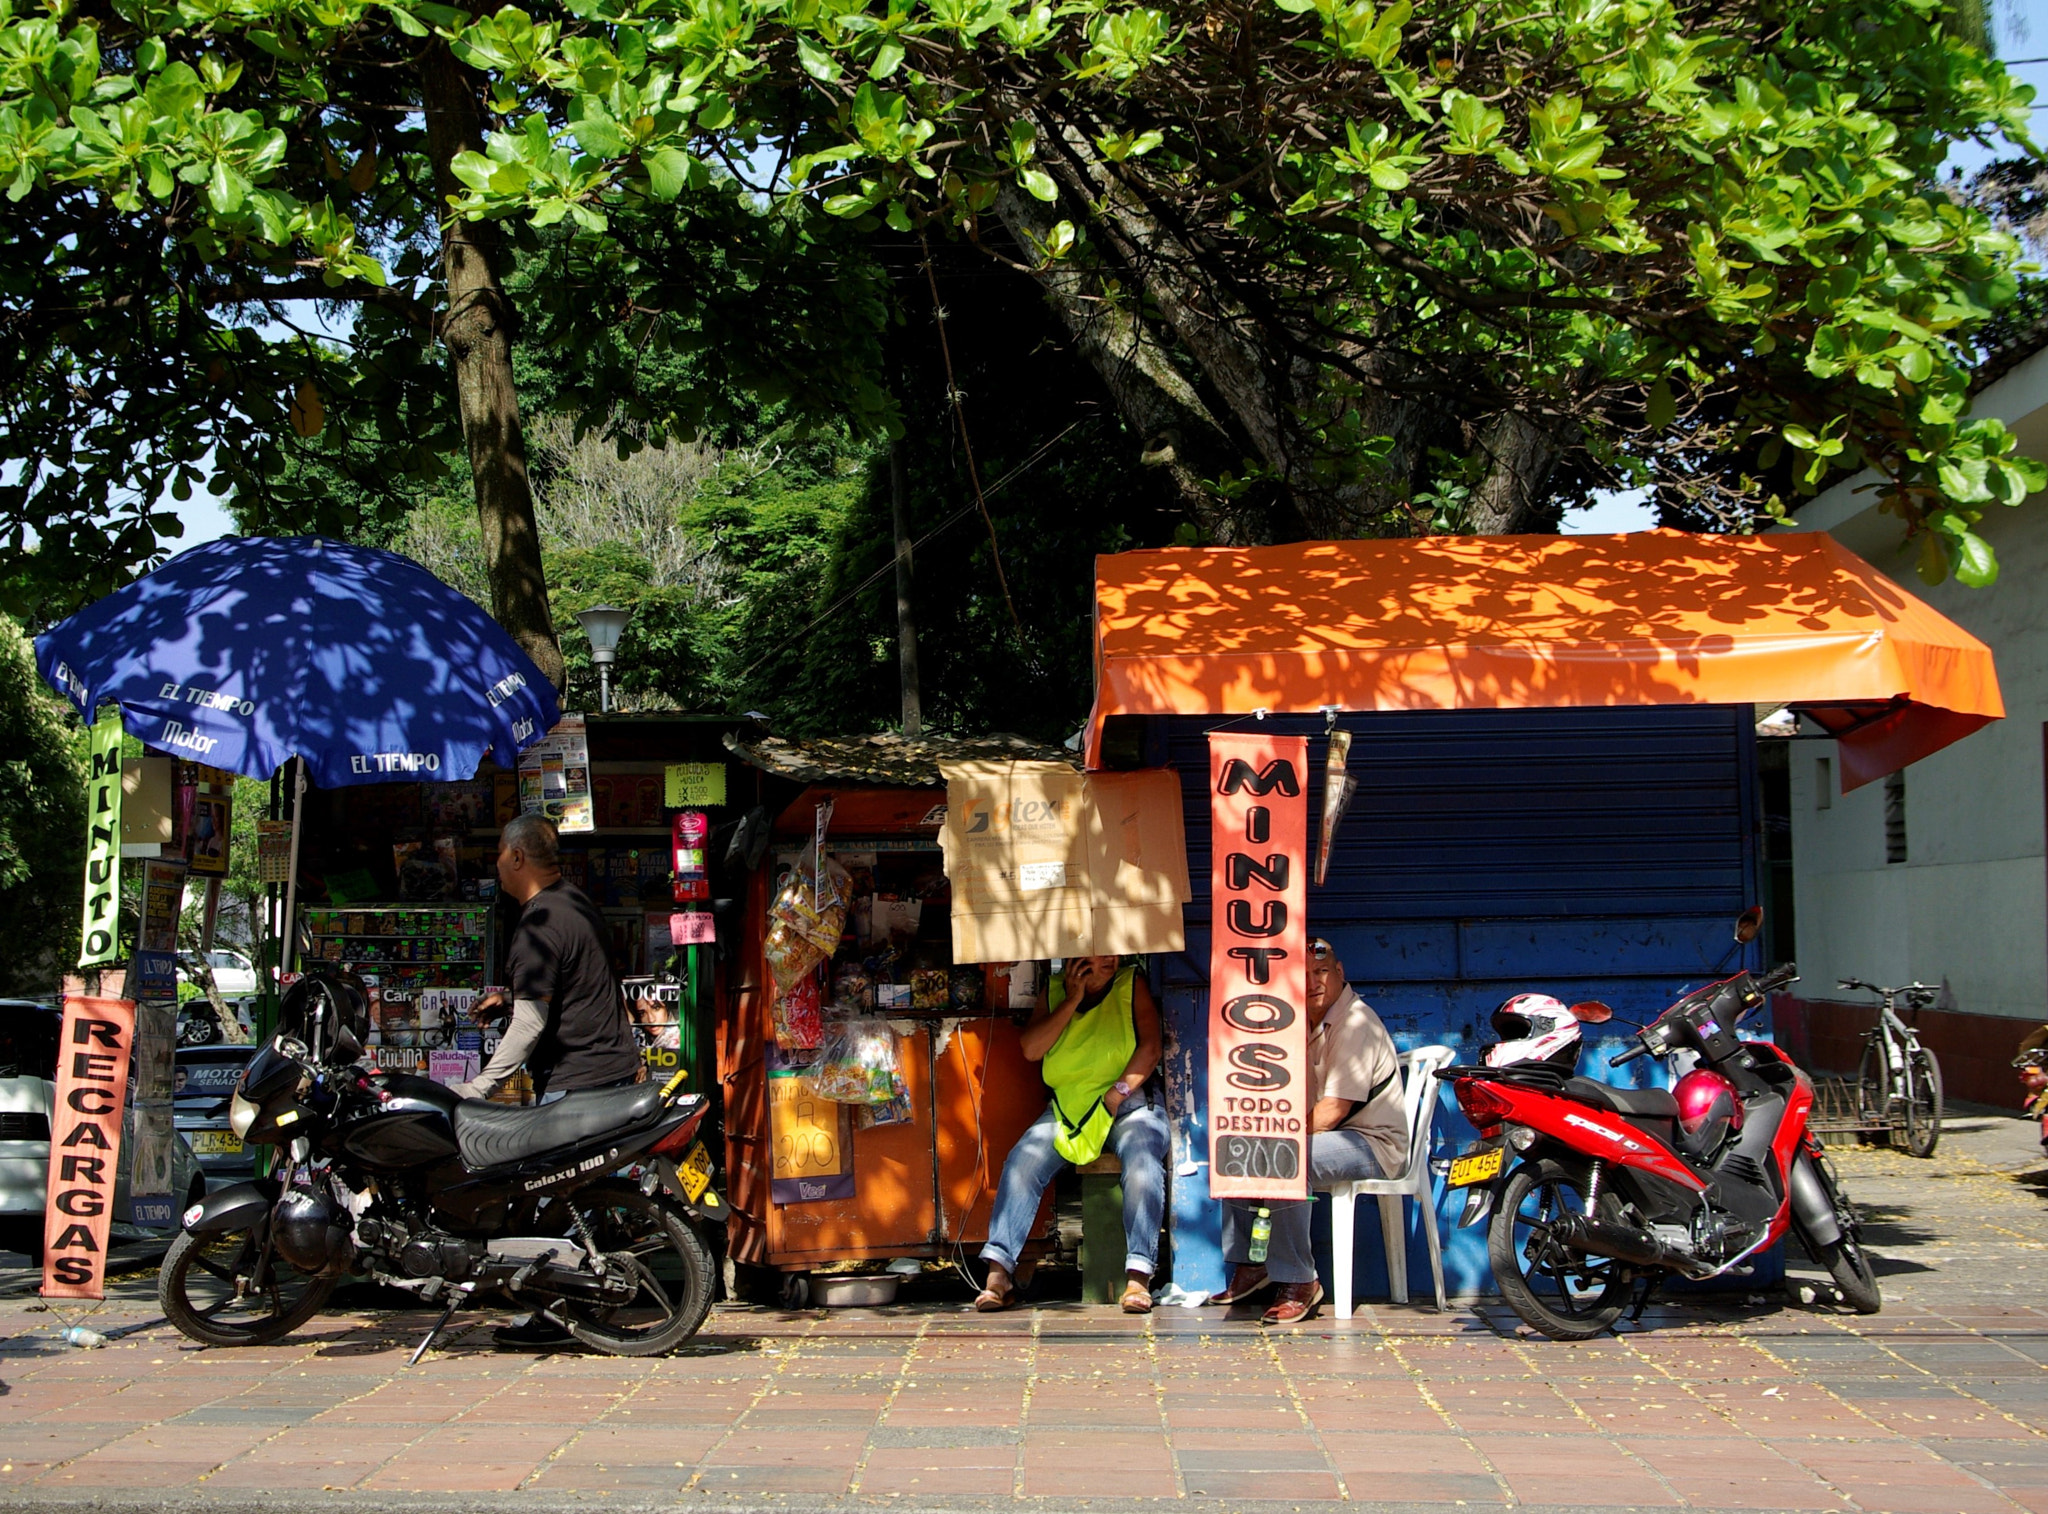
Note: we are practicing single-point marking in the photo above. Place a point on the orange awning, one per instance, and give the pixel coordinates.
(1520, 622)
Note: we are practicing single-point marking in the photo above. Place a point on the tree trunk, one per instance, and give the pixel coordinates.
(478, 331)
(906, 623)
(1509, 500)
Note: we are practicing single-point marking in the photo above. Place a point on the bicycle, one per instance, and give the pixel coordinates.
(1898, 1073)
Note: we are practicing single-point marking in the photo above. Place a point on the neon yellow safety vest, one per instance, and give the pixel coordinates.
(1090, 1055)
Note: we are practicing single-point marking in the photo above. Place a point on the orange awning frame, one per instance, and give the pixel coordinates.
(1526, 622)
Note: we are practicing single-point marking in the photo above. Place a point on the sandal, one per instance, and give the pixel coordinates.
(1137, 1297)
(989, 1301)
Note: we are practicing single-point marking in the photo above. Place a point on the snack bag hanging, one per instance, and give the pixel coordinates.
(857, 1063)
(797, 1023)
(807, 917)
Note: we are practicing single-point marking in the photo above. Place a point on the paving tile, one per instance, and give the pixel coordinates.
(1733, 1474)
(1586, 1469)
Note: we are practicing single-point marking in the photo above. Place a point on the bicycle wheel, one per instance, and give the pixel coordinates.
(1873, 1091)
(1923, 1106)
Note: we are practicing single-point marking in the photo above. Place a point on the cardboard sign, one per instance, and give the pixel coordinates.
(813, 1140)
(1048, 862)
(101, 928)
(694, 783)
(1260, 1092)
(85, 1143)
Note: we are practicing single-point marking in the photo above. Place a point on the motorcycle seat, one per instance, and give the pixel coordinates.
(1643, 1103)
(494, 1135)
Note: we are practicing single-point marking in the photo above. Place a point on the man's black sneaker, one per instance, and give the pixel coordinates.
(536, 1332)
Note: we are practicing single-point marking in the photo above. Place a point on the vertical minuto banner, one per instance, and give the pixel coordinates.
(1259, 1094)
(100, 931)
(85, 1144)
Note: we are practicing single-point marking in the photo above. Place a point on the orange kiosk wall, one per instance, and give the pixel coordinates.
(921, 1188)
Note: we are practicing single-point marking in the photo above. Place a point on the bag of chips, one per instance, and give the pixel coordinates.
(807, 917)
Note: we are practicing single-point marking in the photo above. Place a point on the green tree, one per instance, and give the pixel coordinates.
(42, 825)
(1347, 269)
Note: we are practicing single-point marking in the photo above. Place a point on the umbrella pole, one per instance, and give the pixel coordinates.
(288, 947)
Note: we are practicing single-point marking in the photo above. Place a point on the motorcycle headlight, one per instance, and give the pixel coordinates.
(242, 1115)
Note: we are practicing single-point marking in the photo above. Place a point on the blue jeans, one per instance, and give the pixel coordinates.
(1140, 1140)
(1334, 1156)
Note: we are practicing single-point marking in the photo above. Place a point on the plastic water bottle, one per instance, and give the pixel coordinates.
(1262, 1234)
(80, 1336)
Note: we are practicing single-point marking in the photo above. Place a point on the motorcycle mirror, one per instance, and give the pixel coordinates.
(1748, 923)
(346, 1048)
(1592, 1012)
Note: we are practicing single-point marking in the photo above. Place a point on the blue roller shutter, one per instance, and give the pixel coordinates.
(1583, 853)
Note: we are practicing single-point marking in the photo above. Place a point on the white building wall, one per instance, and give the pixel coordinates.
(1971, 902)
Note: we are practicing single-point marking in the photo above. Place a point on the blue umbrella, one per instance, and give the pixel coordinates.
(249, 650)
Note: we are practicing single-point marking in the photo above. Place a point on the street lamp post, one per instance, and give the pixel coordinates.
(604, 624)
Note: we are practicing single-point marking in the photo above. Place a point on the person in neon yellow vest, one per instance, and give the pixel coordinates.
(1096, 1029)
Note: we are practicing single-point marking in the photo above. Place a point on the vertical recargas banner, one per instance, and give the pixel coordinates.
(100, 936)
(1259, 1094)
(85, 1143)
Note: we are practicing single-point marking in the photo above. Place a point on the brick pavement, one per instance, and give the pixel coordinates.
(1937, 1406)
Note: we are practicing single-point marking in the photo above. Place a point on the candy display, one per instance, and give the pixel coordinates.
(798, 1024)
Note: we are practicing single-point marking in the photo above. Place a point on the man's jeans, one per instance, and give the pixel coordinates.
(1140, 1140)
(1334, 1156)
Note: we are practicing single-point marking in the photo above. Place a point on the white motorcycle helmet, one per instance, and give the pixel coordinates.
(1535, 1028)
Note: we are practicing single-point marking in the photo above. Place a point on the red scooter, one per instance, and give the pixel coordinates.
(1596, 1192)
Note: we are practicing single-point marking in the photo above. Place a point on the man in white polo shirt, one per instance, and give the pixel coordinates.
(1359, 1130)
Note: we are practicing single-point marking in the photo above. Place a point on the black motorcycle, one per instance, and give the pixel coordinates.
(586, 1207)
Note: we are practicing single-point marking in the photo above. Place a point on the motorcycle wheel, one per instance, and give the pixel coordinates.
(1923, 1110)
(1845, 1260)
(1567, 1297)
(655, 1242)
(205, 1290)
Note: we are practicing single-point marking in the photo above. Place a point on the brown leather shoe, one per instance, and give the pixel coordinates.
(1294, 1303)
(1248, 1279)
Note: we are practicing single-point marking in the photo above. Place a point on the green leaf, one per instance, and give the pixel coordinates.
(717, 114)
(1975, 563)
(150, 55)
(175, 91)
(1661, 407)
(594, 129)
(888, 58)
(816, 62)
(668, 171)
(1039, 184)
(897, 217)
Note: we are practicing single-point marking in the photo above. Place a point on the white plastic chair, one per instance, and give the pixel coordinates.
(1418, 1100)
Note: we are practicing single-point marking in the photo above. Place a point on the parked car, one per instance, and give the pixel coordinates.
(234, 978)
(233, 974)
(29, 1033)
(204, 1084)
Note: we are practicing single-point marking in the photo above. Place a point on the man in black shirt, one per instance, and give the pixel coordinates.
(569, 1023)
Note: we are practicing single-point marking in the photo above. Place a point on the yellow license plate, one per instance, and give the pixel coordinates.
(1478, 1168)
(696, 1171)
(216, 1143)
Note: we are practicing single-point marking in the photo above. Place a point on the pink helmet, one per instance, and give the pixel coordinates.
(1534, 1028)
(1709, 1111)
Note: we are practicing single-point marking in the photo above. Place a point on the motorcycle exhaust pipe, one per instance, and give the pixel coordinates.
(1625, 1243)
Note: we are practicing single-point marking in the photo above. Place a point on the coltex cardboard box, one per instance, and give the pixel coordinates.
(1048, 862)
